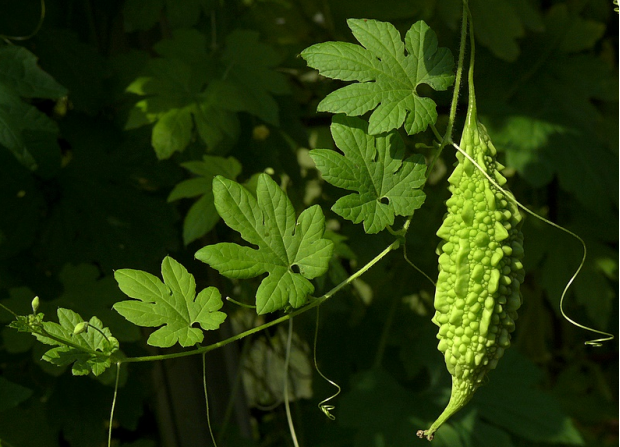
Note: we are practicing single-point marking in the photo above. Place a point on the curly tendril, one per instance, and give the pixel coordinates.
(595, 342)
(34, 32)
(323, 405)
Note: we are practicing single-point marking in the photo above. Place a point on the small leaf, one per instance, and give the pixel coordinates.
(388, 78)
(172, 132)
(96, 349)
(203, 216)
(172, 304)
(386, 183)
(290, 252)
(86, 290)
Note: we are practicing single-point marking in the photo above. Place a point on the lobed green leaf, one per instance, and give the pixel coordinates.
(388, 71)
(172, 304)
(386, 183)
(290, 252)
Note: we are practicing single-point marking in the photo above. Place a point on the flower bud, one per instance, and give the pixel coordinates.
(35, 304)
(80, 327)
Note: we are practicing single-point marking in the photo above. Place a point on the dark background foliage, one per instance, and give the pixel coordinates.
(139, 88)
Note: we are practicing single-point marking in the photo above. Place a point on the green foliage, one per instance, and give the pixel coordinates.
(540, 126)
(141, 15)
(176, 95)
(22, 125)
(532, 415)
(219, 89)
(89, 349)
(387, 183)
(85, 290)
(291, 252)
(250, 66)
(186, 86)
(202, 216)
(172, 304)
(388, 78)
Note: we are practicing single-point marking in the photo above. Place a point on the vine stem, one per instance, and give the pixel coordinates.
(316, 302)
(118, 375)
(206, 393)
(287, 403)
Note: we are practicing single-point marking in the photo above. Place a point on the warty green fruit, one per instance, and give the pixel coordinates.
(480, 269)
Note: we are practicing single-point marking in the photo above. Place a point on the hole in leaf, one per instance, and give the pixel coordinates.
(424, 90)
(295, 268)
(384, 200)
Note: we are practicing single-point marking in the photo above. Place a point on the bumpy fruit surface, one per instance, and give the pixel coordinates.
(480, 269)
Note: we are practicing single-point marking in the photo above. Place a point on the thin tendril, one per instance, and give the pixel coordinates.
(236, 384)
(323, 405)
(8, 310)
(596, 342)
(416, 267)
(204, 386)
(34, 32)
(88, 326)
(287, 405)
(118, 374)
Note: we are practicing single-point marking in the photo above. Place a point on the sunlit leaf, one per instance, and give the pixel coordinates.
(172, 304)
(291, 252)
(388, 74)
(96, 345)
(386, 183)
